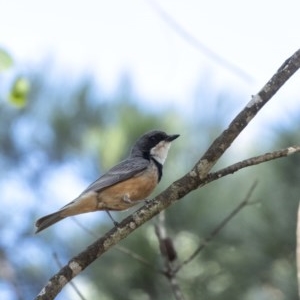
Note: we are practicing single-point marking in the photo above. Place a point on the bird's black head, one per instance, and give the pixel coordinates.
(154, 144)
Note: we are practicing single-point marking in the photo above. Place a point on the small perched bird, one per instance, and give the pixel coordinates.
(124, 185)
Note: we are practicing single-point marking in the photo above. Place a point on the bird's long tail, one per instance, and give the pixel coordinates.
(48, 220)
(86, 203)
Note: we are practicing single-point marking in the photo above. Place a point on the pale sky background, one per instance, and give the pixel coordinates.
(110, 37)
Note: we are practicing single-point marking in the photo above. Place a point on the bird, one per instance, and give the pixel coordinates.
(124, 185)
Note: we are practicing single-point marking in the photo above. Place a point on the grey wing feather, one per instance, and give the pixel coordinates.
(122, 171)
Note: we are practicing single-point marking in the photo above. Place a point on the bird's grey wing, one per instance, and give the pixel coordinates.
(118, 173)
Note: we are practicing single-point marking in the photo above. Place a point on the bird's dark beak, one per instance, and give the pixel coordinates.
(172, 137)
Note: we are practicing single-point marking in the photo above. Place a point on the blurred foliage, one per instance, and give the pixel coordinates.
(19, 92)
(73, 127)
(6, 60)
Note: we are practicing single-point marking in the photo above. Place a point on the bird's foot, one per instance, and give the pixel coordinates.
(147, 201)
(111, 217)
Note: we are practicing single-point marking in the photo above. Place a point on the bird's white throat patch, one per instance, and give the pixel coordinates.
(160, 151)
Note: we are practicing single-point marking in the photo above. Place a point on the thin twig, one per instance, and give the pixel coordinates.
(55, 256)
(218, 228)
(84, 228)
(252, 162)
(193, 41)
(120, 248)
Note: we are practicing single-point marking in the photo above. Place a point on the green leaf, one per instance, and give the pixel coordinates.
(19, 92)
(5, 60)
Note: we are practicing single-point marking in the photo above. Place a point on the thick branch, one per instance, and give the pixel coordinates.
(179, 188)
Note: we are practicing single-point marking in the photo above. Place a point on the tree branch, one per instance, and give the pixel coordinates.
(219, 227)
(120, 248)
(251, 162)
(77, 291)
(178, 189)
(169, 255)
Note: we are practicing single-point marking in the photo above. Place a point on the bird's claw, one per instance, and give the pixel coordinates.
(116, 224)
(148, 201)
